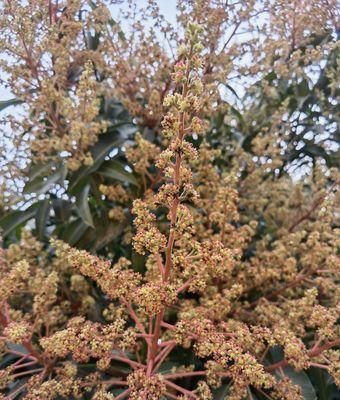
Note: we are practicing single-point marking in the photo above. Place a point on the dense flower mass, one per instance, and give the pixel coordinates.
(170, 243)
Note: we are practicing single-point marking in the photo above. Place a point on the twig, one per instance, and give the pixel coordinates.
(180, 389)
(185, 374)
(127, 361)
(312, 353)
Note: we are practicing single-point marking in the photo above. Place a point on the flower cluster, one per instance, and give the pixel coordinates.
(226, 280)
(142, 156)
(143, 386)
(55, 77)
(115, 281)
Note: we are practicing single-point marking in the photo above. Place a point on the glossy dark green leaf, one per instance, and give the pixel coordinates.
(17, 388)
(15, 218)
(92, 41)
(221, 392)
(7, 103)
(41, 169)
(106, 235)
(42, 184)
(303, 88)
(83, 208)
(299, 378)
(168, 366)
(41, 217)
(106, 143)
(7, 360)
(73, 232)
(62, 209)
(115, 170)
(321, 382)
(17, 347)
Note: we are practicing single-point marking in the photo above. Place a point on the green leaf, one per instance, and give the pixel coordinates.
(113, 110)
(322, 385)
(106, 143)
(17, 387)
(83, 208)
(232, 90)
(121, 34)
(298, 378)
(115, 170)
(15, 218)
(238, 115)
(167, 367)
(7, 103)
(105, 236)
(73, 231)
(92, 41)
(41, 217)
(42, 184)
(221, 393)
(41, 169)
(301, 379)
(116, 392)
(62, 209)
(7, 360)
(303, 89)
(17, 347)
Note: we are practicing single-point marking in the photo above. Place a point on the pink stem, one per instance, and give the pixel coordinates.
(164, 344)
(312, 353)
(18, 353)
(135, 318)
(127, 361)
(19, 361)
(26, 364)
(184, 374)
(183, 287)
(169, 326)
(32, 371)
(180, 389)
(317, 365)
(162, 355)
(172, 396)
(115, 382)
(160, 263)
(13, 394)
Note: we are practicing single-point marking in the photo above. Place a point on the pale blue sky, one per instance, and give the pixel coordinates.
(168, 9)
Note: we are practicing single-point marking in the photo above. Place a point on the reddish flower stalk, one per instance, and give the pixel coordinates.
(163, 355)
(18, 353)
(170, 395)
(31, 371)
(181, 389)
(28, 364)
(171, 239)
(312, 353)
(136, 319)
(185, 374)
(126, 360)
(123, 395)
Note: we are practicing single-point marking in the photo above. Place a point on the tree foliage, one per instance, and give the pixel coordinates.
(169, 203)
